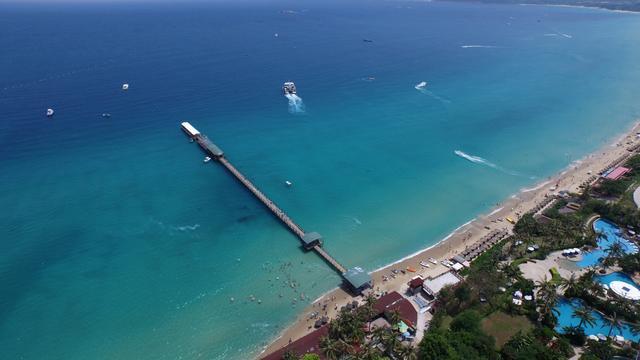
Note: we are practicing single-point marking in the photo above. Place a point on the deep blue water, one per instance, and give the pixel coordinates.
(610, 234)
(116, 241)
(601, 326)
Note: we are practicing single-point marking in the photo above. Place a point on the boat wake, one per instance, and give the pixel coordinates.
(422, 87)
(295, 103)
(478, 46)
(481, 161)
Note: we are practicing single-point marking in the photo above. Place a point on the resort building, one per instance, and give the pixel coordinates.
(616, 173)
(394, 301)
(432, 286)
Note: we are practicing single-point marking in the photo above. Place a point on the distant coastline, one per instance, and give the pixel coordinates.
(622, 6)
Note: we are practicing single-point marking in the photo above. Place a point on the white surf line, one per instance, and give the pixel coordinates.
(495, 211)
(537, 187)
(454, 232)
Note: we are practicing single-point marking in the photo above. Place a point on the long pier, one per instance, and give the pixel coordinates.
(310, 240)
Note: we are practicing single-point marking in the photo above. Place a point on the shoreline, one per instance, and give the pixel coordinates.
(584, 7)
(526, 199)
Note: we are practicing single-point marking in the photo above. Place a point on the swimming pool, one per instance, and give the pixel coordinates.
(612, 232)
(565, 317)
(616, 276)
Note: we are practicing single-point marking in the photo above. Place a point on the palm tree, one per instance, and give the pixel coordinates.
(369, 310)
(571, 285)
(635, 328)
(394, 317)
(391, 342)
(407, 353)
(330, 348)
(613, 322)
(585, 316)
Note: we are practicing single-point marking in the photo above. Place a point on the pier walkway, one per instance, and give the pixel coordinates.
(310, 240)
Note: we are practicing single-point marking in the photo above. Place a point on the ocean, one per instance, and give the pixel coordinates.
(118, 242)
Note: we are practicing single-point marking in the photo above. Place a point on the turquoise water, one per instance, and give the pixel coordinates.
(119, 243)
(565, 318)
(611, 234)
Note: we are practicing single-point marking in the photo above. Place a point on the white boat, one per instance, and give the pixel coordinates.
(50, 112)
(424, 264)
(288, 183)
(433, 261)
(289, 88)
(106, 115)
(445, 263)
(207, 159)
(421, 85)
(125, 87)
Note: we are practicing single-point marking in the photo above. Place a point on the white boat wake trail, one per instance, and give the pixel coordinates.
(295, 103)
(485, 162)
(478, 46)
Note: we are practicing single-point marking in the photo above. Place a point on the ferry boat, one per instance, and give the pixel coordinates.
(50, 112)
(289, 88)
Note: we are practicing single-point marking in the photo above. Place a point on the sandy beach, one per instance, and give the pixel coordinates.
(571, 178)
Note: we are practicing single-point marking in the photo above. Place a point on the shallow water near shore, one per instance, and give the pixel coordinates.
(119, 242)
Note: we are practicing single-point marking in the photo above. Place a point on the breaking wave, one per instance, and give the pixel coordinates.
(296, 105)
(481, 161)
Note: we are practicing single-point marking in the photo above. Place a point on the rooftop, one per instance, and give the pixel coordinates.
(310, 237)
(433, 286)
(616, 173)
(357, 278)
(393, 301)
(309, 343)
(212, 148)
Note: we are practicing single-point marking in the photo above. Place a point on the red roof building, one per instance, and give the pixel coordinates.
(617, 173)
(309, 343)
(394, 301)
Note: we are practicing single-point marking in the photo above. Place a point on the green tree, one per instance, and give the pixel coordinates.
(584, 314)
(310, 356)
(435, 346)
(330, 348)
(468, 320)
(614, 323)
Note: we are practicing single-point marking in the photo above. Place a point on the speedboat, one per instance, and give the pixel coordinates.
(433, 261)
(50, 112)
(424, 264)
(289, 88)
(421, 85)
(125, 87)
(207, 159)
(288, 183)
(106, 115)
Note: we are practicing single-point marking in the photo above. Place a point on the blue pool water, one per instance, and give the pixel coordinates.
(612, 235)
(615, 276)
(117, 242)
(566, 307)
